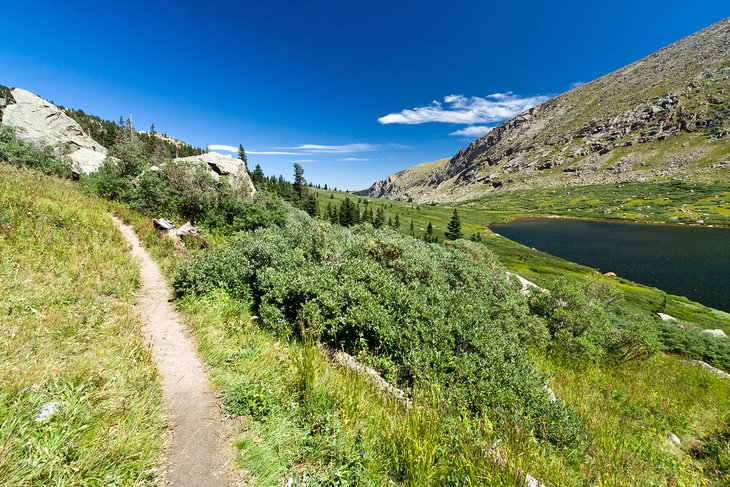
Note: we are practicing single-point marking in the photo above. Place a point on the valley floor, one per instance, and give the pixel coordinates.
(71, 339)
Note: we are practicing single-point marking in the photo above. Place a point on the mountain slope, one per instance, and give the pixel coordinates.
(665, 116)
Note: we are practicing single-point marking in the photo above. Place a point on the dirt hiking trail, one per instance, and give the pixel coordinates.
(198, 452)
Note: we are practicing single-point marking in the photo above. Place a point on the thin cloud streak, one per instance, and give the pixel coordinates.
(335, 149)
(223, 147)
(460, 109)
(473, 131)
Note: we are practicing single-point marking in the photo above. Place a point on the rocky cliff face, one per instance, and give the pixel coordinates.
(41, 122)
(665, 116)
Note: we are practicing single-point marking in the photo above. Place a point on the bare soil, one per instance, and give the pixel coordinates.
(198, 450)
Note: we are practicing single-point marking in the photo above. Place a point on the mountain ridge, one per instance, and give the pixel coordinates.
(662, 117)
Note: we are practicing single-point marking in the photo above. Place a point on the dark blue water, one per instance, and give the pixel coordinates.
(687, 261)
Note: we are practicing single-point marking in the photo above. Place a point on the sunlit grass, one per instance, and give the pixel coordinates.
(68, 336)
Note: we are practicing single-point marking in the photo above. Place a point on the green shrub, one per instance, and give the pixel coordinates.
(421, 313)
(694, 344)
(584, 322)
(27, 155)
(715, 449)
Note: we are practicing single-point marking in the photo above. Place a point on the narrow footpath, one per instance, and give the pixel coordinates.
(198, 452)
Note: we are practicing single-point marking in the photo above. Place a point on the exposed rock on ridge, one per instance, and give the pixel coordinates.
(219, 165)
(665, 116)
(42, 123)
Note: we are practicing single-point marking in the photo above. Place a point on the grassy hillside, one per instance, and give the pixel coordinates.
(345, 432)
(70, 343)
(444, 323)
(675, 202)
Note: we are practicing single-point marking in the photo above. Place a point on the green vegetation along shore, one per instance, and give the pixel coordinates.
(574, 387)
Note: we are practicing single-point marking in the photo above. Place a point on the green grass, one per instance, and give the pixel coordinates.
(656, 202)
(628, 413)
(68, 336)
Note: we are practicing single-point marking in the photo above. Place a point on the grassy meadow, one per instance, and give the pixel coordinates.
(70, 343)
(473, 354)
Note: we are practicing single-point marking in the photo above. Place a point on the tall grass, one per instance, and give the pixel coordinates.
(68, 337)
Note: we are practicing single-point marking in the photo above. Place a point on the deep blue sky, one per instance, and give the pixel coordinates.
(278, 75)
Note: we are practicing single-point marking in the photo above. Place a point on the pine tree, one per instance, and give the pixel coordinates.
(258, 177)
(411, 228)
(430, 237)
(311, 205)
(242, 154)
(396, 222)
(348, 213)
(453, 231)
(300, 184)
(379, 219)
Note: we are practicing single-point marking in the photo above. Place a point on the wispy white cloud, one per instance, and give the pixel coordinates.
(311, 149)
(354, 159)
(577, 84)
(335, 149)
(302, 160)
(223, 147)
(472, 131)
(467, 110)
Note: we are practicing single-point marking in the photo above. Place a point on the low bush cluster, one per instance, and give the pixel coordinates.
(585, 322)
(27, 155)
(185, 191)
(695, 345)
(425, 315)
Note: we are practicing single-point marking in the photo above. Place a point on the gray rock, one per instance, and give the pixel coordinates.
(675, 439)
(223, 166)
(46, 412)
(715, 333)
(44, 124)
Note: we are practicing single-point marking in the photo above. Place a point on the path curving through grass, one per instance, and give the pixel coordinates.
(197, 452)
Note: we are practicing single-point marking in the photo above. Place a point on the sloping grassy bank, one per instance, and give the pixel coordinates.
(448, 326)
(70, 345)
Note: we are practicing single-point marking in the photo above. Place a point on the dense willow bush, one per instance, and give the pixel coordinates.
(427, 316)
(585, 322)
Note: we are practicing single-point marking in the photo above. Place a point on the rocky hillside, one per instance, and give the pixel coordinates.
(41, 122)
(68, 132)
(666, 116)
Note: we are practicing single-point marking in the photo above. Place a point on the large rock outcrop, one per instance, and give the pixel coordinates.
(42, 123)
(665, 116)
(223, 166)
